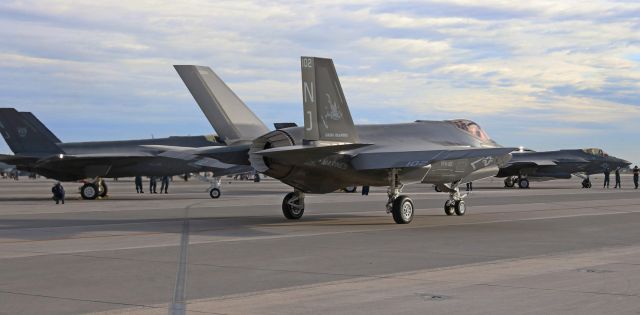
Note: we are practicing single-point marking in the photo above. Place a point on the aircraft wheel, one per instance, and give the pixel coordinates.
(460, 207)
(292, 212)
(508, 182)
(103, 190)
(448, 208)
(402, 210)
(437, 189)
(523, 183)
(351, 189)
(89, 191)
(215, 193)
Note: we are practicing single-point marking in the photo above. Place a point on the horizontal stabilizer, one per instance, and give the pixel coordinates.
(406, 159)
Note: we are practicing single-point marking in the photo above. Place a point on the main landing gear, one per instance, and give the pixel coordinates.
(455, 204)
(94, 189)
(400, 206)
(293, 205)
(586, 183)
(511, 181)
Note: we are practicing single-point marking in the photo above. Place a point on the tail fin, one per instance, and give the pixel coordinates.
(326, 114)
(229, 116)
(41, 127)
(23, 136)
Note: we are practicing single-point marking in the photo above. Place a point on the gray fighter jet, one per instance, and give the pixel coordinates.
(330, 152)
(539, 166)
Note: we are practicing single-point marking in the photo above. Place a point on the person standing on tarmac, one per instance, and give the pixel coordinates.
(138, 181)
(636, 172)
(164, 185)
(58, 193)
(152, 185)
(606, 177)
(618, 183)
(470, 186)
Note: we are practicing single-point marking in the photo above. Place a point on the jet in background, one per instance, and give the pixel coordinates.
(539, 166)
(37, 150)
(330, 152)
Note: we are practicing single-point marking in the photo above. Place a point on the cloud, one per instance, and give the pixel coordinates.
(548, 61)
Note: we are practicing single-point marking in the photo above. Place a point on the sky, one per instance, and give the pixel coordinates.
(541, 74)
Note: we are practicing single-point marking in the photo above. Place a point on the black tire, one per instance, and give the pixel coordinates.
(448, 208)
(215, 193)
(437, 188)
(290, 212)
(103, 193)
(508, 182)
(523, 183)
(402, 210)
(89, 191)
(460, 207)
(351, 189)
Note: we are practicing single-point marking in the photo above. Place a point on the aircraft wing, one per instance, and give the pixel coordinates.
(404, 159)
(18, 159)
(80, 160)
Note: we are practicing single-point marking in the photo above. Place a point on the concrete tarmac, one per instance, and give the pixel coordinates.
(551, 249)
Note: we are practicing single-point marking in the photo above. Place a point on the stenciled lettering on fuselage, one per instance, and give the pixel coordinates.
(328, 162)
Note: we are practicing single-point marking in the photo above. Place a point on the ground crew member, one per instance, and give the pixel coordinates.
(365, 190)
(138, 181)
(164, 184)
(606, 177)
(618, 183)
(470, 186)
(58, 193)
(636, 172)
(152, 185)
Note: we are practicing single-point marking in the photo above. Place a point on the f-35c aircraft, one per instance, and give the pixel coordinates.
(557, 164)
(330, 152)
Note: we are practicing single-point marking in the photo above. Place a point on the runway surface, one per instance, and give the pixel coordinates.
(551, 249)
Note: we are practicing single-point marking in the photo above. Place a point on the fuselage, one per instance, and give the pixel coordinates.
(328, 173)
(119, 159)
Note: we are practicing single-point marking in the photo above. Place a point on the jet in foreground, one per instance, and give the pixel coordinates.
(330, 152)
(557, 164)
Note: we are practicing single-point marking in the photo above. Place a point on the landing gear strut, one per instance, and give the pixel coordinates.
(400, 206)
(293, 205)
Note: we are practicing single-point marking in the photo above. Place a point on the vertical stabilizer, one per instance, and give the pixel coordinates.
(326, 114)
(232, 120)
(40, 126)
(23, 136)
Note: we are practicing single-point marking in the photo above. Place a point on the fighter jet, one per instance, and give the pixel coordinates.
(548, 165)
(330, 152)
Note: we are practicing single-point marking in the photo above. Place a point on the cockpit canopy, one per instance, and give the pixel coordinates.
(471, 128)
(595, 151)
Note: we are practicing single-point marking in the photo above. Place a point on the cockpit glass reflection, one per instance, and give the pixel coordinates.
(472, 128)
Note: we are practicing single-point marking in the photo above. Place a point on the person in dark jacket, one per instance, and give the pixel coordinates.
(636, 172)
(164, 184)
(58, 193)
(365, 190)
(153, 183)
(618, 183)
(138, 181)
(607, 172)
